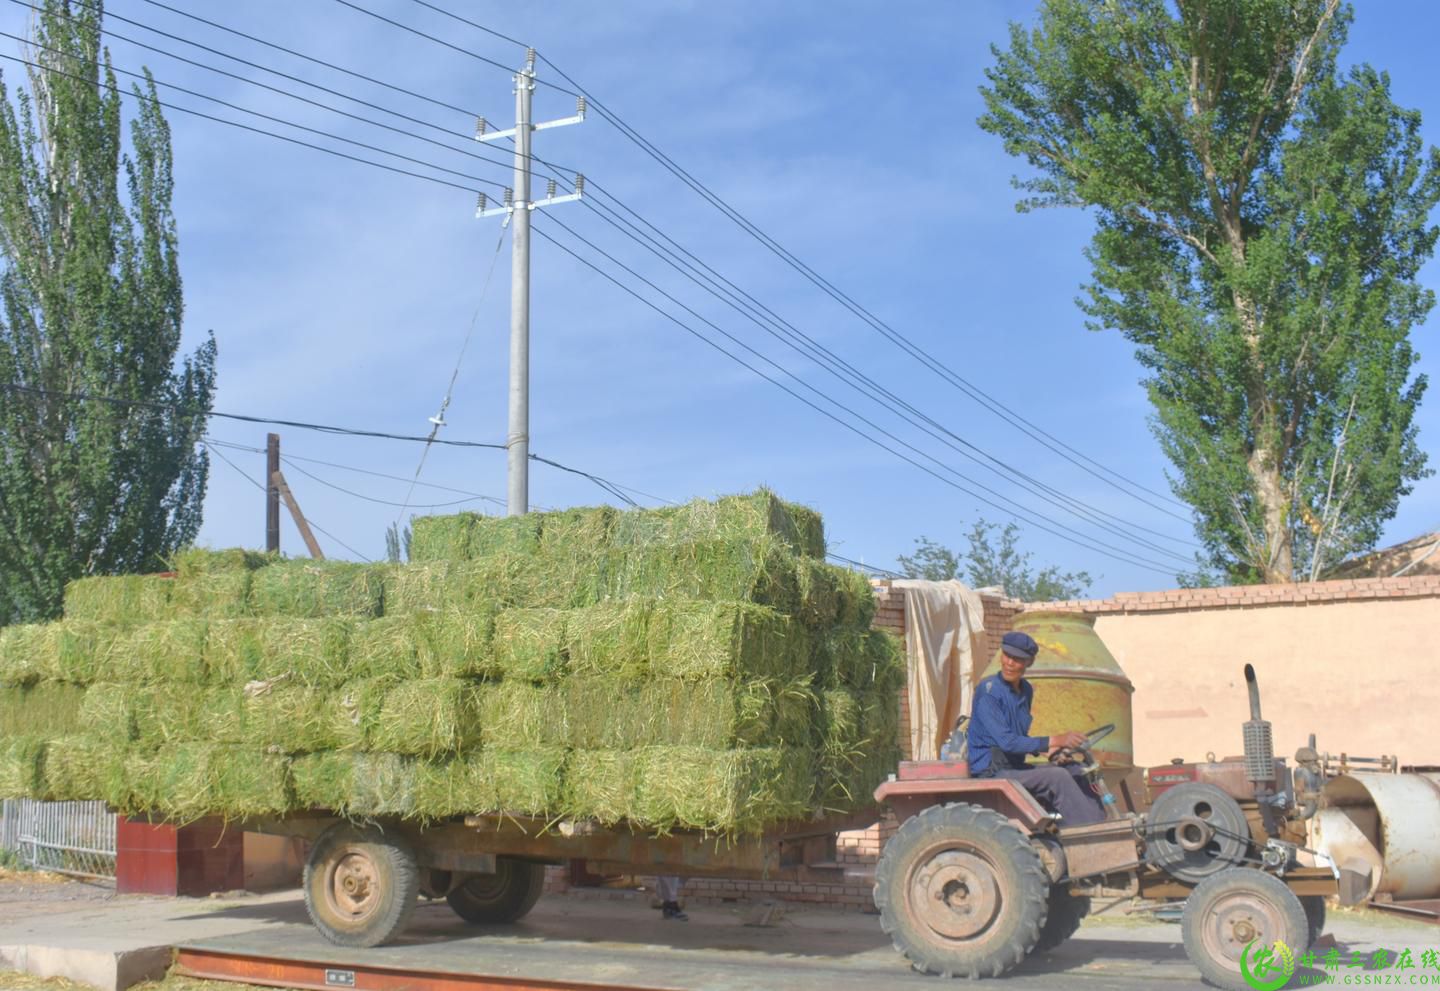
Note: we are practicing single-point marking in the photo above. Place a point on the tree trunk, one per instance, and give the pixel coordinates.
(1277, 563)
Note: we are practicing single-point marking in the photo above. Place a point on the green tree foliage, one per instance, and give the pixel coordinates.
(90, 290)
(988, 562)
(1261, 218)
(397, 543)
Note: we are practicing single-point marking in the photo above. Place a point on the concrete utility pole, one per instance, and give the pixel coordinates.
(516, 208)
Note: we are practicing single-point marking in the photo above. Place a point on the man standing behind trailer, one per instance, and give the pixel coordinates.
(998, 742)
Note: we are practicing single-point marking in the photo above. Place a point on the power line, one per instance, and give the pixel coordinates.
(282, 120)
(1111, 553)
(829, 361)
(246, 475)
(439, 41)
(260, 130)
(900, 340)
(886, 572)
(457, 17)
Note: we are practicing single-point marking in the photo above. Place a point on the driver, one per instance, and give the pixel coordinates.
(998, 744)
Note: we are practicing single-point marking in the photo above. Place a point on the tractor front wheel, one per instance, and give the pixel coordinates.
(961, 892)
(1242, 924)
(361, 884)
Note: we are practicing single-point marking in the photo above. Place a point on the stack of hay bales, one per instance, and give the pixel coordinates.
(694, 667)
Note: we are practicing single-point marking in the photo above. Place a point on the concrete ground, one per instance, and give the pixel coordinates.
(85, 932)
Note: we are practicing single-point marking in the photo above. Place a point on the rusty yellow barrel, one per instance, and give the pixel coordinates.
(1078, 683)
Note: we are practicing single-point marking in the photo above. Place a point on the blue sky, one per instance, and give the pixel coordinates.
(341, 294)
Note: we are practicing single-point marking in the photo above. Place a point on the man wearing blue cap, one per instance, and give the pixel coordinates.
(999, 741)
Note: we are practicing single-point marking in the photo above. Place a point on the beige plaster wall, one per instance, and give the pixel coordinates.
(1359, 674)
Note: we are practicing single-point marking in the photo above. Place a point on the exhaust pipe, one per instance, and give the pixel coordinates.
(1260, 755)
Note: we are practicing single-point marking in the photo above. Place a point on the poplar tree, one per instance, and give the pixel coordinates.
(100, 469)
(1261, 218)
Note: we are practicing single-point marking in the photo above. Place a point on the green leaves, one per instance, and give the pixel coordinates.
(91, 299)
(1002, 564)
(1261, 221)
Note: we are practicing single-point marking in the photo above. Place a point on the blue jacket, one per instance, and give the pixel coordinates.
(1000, 718)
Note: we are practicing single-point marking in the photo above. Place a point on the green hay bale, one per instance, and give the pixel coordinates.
(319, 589)
(855, 599)
(703, 640)
(529, 644)
(85, 650)
(724, 791)
(517, 715)
(886, 657)
(88, 768)
(215, 583)
(612, 638)
(738, 517)
(120, 598)
(312, 651)
(819, 594)
(610, 713)
(524, 782)
(163, 716)
(457, 644)
(22, 767)
(600, 785)
(587, 529)
(292, 717)
(441, 585)
(108, 709)
(190, 781)
(427, 718)
(356, 784)
(46, 708)
(760, 571)
(440, 538)
(854, 659)
(172, 653)
(28, 652)
(388, 646)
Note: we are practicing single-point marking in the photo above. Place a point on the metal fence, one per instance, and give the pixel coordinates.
(65, 837)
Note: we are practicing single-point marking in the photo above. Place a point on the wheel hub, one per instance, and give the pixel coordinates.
(956, 894)
(352, 886)
(1238, 921)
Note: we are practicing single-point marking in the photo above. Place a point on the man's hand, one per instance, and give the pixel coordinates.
(1072, 739)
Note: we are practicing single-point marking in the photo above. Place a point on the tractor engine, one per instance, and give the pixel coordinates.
(1203, 817)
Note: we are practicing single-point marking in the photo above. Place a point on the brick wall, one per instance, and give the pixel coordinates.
(1251, 596)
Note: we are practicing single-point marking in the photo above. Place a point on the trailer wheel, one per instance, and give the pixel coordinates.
(360, 884)
(1233, 914)
(1063, 919)
(504, 896)
(961, 892)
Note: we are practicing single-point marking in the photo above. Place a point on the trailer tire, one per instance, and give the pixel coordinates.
(961, 892)
(505, 896)
(361, 884)
(1064, 918)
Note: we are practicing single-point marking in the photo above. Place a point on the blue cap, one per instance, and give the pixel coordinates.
(1021, 646)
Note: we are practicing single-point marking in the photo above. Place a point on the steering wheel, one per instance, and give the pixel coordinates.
(1081, 754)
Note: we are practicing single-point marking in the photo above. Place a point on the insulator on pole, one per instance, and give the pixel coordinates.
(479, 127)
(529, 60)
(550, 189)
(480, 204)
(579, 184)
(509, 196)
(580, 105)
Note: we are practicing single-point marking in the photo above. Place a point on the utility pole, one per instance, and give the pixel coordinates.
(516, 208)
(272, 493)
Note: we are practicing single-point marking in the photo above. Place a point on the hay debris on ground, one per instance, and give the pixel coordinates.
(319, 589)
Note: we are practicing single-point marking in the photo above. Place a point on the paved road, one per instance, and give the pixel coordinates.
(593, 940)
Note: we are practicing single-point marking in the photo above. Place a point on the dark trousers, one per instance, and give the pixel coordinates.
(1060, 788)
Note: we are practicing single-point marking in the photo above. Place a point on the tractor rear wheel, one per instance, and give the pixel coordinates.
(961, 892)
(1238, 913)
(504, 896)
(1063, 919)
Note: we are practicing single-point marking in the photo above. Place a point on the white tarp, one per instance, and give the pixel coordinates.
(944, 633)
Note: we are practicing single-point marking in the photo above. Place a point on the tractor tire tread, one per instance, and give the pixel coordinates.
(399, 884)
